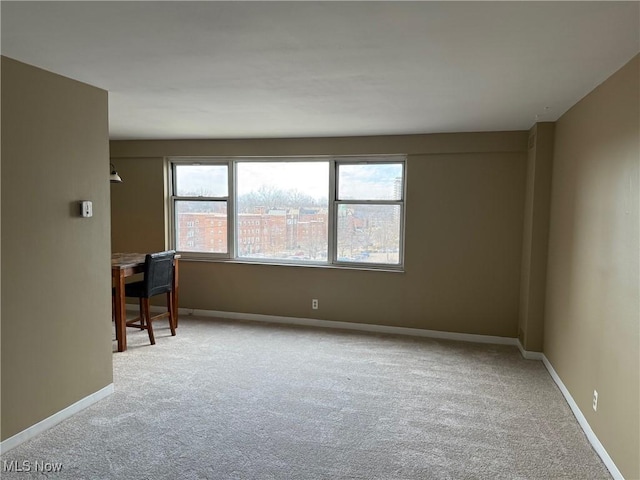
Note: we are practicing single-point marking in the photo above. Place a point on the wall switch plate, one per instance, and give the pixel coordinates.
(595, 400)
(86, 208)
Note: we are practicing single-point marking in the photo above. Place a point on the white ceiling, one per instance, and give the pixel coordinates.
(290, 69)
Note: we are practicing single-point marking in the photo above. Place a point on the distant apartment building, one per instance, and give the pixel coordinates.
(282, 233)
(201, 232)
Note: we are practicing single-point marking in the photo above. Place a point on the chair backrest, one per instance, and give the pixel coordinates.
(158, 273)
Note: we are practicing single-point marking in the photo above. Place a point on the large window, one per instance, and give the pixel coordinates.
(369, 204)
(201, 206)
(282, 210)
(325, 211)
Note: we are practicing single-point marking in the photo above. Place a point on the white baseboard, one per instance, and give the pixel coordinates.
(593, 439)
(365, 327)
(528, 354)
(54, 419)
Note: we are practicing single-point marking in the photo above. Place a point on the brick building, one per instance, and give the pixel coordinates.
(281, 233)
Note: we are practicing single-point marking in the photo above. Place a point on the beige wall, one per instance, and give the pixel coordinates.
(591, 331)
(56, 338)
(465, 195)
(533, 275)
(135, 227)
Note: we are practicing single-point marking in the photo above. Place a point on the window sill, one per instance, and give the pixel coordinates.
(358, 267)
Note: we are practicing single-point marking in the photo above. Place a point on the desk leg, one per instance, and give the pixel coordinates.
(174, 293)
(120, 313)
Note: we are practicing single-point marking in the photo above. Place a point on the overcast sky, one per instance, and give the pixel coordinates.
(357, 181)
(311, 178)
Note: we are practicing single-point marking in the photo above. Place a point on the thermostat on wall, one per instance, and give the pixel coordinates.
(86, 208)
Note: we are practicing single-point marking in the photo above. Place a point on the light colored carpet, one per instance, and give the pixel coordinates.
(240, 400)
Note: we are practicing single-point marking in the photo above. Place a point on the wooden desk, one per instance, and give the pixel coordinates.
(124, 265)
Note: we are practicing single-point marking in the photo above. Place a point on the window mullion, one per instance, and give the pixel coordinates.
(200, 198)
(332, 221)
(370, 202)
(232, 234)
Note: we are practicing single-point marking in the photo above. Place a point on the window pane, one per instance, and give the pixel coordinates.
(201, 226)
(369, 233)
(201, 181)
(282, 210)
(372, 181)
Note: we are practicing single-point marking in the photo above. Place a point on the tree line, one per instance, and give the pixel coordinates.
(272, 198)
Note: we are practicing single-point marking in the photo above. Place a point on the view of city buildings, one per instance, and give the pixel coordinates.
(275, 233)
(368, 234)
(283, 213)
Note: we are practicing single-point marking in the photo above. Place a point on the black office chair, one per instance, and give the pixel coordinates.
(158, 279)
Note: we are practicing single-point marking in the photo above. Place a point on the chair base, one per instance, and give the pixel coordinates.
(145, 320)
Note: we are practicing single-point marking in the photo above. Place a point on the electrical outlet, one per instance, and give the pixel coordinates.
(314, 303)
(595, 400)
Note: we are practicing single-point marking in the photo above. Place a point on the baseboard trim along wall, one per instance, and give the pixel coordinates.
(365, 327)
(593, 439)
(529, 355)
(54, 419)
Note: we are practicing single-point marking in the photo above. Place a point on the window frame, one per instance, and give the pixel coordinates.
(332, 208)
(173, 199)
(401, 203)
